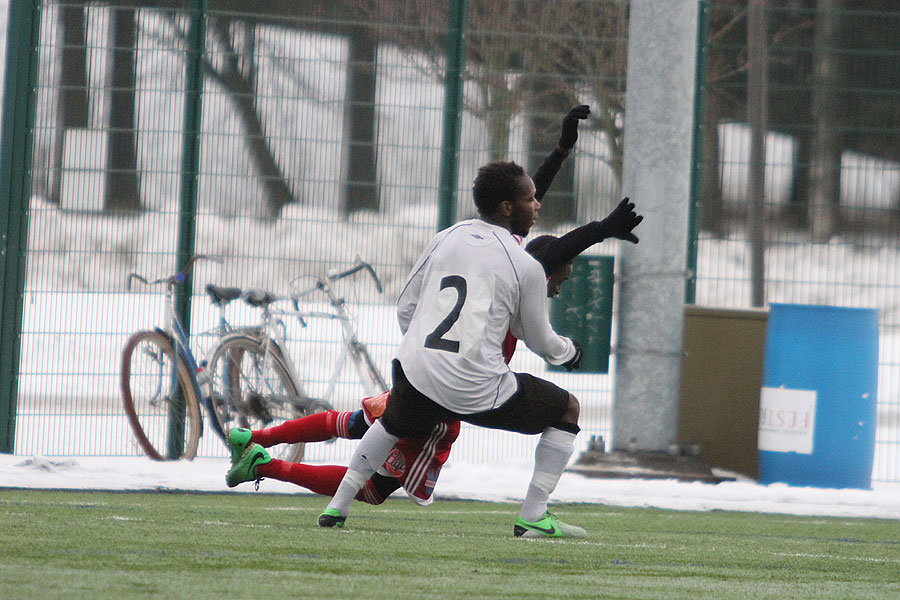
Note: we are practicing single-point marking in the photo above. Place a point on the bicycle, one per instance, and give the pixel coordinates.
(161, 380)
(252, 376)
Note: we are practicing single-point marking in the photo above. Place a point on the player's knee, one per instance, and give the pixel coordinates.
(573, 410)
(356, 425)
(569, 420)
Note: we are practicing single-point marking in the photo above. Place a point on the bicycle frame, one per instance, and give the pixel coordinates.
(183, 352)
(369, 375)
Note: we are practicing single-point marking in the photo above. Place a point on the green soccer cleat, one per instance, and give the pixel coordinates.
(330, 517)
(548, 526)
(245, 468)
(238, 440)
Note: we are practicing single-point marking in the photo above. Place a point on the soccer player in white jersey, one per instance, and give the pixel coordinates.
(472, 284)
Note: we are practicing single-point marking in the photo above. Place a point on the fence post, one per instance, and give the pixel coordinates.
(190, 158)
(690, 284)
(758, 118)
(15, 190)
(456, 52)
(187, 220)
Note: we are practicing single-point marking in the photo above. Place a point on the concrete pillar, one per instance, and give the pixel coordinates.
(659, 115)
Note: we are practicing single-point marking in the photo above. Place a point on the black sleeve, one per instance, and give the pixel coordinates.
(565, 249)
(543, 177)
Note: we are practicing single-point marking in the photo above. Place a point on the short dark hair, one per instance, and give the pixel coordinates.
(496, 182)
(539, 243)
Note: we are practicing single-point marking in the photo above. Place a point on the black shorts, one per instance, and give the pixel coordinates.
(536, 405)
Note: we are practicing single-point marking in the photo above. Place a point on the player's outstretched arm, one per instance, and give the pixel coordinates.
(543, 177)
(618, 224)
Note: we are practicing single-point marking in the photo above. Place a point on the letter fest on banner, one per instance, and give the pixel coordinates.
(787, 420)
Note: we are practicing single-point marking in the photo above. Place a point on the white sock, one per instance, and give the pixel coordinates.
(550, 459)
(370, 454)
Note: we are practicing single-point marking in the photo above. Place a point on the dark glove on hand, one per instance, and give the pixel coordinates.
(570, 126)
(620, 222)
(574, 362)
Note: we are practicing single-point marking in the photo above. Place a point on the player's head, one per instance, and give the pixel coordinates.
(504, 193)
(557, 277)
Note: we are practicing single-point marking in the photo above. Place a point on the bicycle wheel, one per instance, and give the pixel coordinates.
(253, 386)
(159, 397)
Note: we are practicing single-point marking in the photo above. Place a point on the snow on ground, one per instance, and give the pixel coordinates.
(494, 482)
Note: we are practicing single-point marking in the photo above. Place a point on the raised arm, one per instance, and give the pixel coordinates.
(543, 177)
(618, 224)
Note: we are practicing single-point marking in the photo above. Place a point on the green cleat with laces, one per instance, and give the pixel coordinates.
(548, 526)
(238, 440)
(245, 468)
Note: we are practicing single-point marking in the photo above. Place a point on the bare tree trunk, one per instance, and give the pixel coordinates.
(241, 88)
(710, 181)
(825, 158)
(559, 204)
(609, 123)
(497, 100)
(800, 194)
(497, 122)
(122, 185)
(72, 103)
(362, 188)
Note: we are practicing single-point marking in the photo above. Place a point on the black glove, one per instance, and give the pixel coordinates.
(620, 222)
(570, 126)
(574, 362)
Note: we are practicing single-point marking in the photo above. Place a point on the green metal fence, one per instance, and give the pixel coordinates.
(285, 138)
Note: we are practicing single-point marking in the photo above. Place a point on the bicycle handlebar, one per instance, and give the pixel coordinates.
(178, 277)
(358, 265)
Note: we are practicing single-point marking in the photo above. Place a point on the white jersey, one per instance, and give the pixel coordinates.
(471, 285)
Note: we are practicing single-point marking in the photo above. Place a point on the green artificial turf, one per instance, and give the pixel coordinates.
(58, 544)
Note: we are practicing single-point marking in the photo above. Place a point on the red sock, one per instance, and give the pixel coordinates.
(313, 428)
(320, 479)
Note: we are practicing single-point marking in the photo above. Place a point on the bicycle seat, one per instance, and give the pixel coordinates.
(222, 295)
(258, 298)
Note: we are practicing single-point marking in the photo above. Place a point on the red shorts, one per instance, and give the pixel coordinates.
(415, 462)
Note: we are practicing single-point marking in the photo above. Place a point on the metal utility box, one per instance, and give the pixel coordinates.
(721, 378)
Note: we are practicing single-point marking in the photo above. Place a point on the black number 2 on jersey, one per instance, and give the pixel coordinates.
(435, 339)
